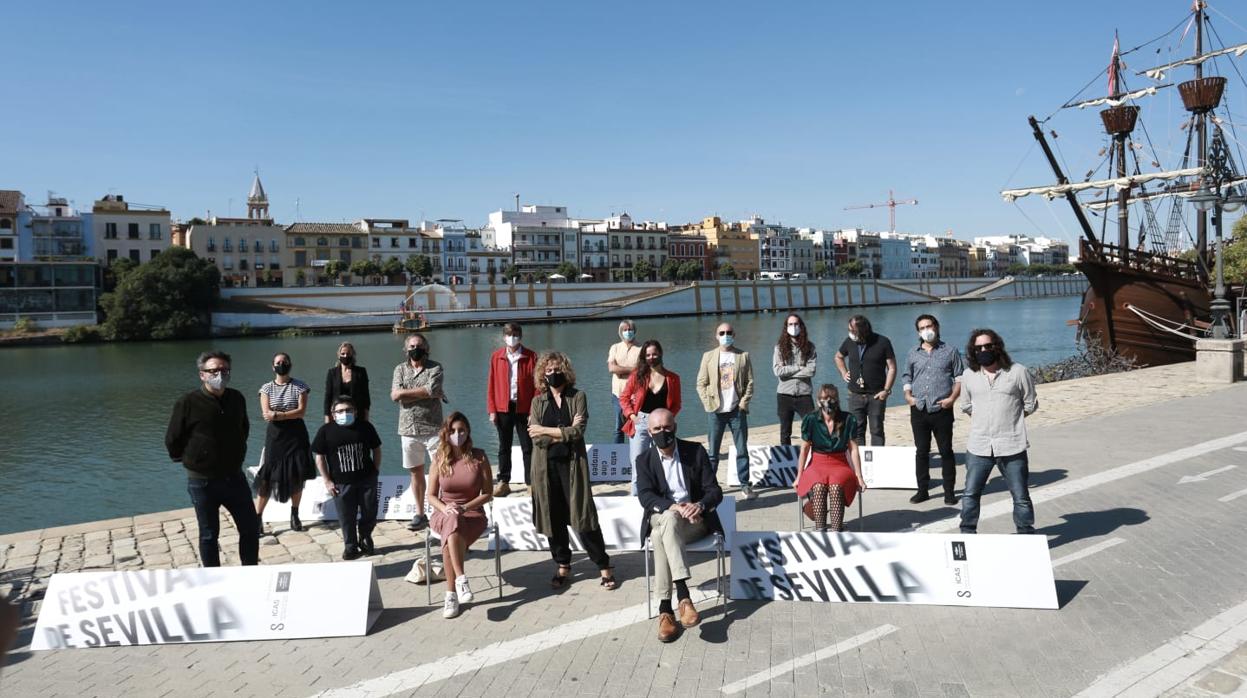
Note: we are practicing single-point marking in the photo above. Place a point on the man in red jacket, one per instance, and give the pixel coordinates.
(508, 398)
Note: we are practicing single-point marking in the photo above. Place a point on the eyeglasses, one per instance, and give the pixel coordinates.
(726, 333)
(216, 371)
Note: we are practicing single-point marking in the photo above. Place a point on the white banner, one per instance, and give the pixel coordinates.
(395, 501)
(607, 463)
(214, 604)
(769, 466)
(889, 467)
(618, 517)
(910, 568)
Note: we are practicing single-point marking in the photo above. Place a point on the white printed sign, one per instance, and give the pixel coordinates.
(888, 467)
(908, 568)
(607, 463)
(769, 466)
(214, 604)
(618, 517)
(395, 501)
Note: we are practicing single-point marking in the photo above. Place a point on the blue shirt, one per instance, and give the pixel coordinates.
(929, 376)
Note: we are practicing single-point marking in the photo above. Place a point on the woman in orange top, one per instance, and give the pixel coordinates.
(650, 387)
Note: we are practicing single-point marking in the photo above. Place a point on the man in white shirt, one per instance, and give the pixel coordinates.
(679, 493)
(725, 386)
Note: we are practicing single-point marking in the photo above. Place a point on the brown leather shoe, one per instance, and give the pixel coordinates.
(667, 629)
(502, 490)
(688, 615)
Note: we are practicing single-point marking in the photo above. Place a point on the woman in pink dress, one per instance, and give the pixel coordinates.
(833, 473)
(459, 487)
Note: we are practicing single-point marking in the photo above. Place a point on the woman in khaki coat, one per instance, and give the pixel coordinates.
(562, 496)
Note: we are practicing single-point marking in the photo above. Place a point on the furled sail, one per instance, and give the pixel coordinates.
(1119, 183)
(1116, 101)
(1102, 205)
(1158, 73)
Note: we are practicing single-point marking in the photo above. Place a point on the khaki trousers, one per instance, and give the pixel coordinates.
(669, 533)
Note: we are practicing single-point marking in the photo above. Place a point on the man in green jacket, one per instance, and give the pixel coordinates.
(725, 386)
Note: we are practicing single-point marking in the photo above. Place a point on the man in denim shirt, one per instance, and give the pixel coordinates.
(932, 383)
(999, 394)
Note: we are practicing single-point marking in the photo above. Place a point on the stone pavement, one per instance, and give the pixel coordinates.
(1142, 565)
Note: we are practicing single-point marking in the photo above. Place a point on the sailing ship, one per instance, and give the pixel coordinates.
(1148, 301)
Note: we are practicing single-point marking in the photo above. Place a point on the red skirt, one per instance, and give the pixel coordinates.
(829, 469)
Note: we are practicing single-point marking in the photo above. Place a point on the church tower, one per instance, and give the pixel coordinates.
(257, 200)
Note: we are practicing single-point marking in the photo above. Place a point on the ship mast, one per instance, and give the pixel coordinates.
(1201, 129)
(1062, 179)
(1119, 122)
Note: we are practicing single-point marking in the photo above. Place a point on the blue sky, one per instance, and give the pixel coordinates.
(668, 110)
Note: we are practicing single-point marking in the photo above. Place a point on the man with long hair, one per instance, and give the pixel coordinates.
(999, 394)
(867, 364)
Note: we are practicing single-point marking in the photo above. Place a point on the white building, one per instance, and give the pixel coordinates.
(924, 260)
(539, 237)
(125, 230)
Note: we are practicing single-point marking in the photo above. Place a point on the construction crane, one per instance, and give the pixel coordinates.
(891, 203)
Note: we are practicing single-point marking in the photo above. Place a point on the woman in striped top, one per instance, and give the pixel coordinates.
(287, 456)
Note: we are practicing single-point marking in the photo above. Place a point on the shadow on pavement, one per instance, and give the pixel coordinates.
(1067, 589)
(1089, 524)
(394, 617)
(716, 631)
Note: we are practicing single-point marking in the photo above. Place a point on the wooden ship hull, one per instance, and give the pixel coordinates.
(1167, 290)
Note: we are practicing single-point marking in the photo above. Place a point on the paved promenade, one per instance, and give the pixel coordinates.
(1149, 576)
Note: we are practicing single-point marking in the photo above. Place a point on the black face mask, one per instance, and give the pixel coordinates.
(417, 354)
(281, 368)
(346, 360)
(663, 438)
(987, 357)
(558, 379)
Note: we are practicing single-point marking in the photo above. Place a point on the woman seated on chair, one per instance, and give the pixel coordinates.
(829, 470)
(459, 487)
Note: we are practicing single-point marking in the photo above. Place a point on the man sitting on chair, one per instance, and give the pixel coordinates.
(679, 493)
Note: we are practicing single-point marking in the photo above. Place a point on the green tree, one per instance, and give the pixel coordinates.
(820, 270)
(691, 270)
(670, 269)
(170, 297)
(300, 277)
(419, 266)
(334, 269)
(391, 268)
(116, 270)
(568, 270)
(850, 269)
(512, 272)
(642, 270)
(727, 271)
(365, 269)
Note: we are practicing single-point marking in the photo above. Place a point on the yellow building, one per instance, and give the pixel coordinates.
(729, 243)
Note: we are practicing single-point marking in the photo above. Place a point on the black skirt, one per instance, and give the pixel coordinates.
(287, 459)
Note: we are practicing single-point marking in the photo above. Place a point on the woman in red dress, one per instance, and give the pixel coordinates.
(829, 471)
(459, 487)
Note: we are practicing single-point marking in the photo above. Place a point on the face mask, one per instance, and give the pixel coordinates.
(417, 354)
(986, 357)
(628, 335)
(345, 419)
(827, 406)
(726, 340)
(854, 338)
(663, 438)
(458, 439)
(794, 330)
(217, 382)
(281, 369)
(927, 335)
(346, 360)
(656, 361)
(511, 340)
(558, 379)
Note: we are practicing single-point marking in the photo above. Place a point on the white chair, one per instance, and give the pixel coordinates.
(714, 543)
(490, 530)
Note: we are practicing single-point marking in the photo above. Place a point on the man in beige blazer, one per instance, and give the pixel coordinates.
(725, 386)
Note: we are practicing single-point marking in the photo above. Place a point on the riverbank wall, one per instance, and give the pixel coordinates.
(362, 307)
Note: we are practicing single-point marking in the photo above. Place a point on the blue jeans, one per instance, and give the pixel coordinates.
(639, 444)
(357, 500)
(738, 422)
(233, 493)
(620, 437)
(1016, 471)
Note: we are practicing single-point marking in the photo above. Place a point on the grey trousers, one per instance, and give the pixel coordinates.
(669, 533)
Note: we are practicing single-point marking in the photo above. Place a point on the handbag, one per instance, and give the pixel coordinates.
(417, 574)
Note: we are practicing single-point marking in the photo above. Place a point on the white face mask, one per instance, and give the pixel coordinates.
(794, 331)
(511, 340)
(927, 335)
(217, 382)
(458, 439)
(853, 337)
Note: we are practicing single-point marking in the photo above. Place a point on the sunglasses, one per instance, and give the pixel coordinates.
(217, 371)
(726, 333)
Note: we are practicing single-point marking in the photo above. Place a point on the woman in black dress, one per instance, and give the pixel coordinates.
(287, 457)
(346, 379)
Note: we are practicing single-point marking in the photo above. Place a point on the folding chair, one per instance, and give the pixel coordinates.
(861, 495)
(490, 530)
(714, 543)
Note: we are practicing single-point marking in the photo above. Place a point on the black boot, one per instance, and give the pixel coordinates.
(295, 523)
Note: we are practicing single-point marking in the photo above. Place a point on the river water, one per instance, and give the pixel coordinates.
(82, 427)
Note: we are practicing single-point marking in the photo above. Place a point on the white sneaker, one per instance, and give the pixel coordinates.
(462, 589)
(451, 609)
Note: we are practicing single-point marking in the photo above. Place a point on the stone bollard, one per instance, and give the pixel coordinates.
(1219, 360)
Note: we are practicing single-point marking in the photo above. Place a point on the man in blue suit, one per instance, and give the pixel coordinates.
(679, 492)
